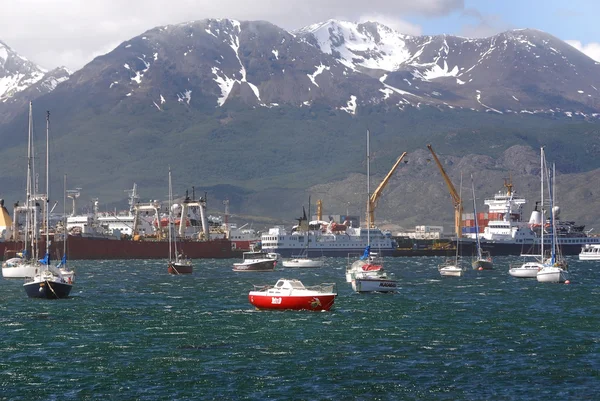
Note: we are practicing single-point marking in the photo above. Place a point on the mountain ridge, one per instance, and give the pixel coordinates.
(264, 117)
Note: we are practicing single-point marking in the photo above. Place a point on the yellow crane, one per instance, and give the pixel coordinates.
(456, 201)
(372, 202)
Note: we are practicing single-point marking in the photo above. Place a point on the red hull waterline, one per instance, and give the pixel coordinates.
(311, 302)
(104, 248)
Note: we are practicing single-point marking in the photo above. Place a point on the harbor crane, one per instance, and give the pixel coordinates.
(373, 198)
(456, 201)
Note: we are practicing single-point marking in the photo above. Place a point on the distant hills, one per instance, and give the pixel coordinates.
(264, 117)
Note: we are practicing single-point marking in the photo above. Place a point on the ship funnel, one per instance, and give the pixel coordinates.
(536, 218)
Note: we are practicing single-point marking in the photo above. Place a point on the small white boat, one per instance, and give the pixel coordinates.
(525, 270)
(256, 262)
(590, 252)
(363, 264)
(19, 268)
(373, 281)
(303, 262)
(552, 274)
(451, 270)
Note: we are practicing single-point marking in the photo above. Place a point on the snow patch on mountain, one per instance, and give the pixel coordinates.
(319, 70)
(369, 45)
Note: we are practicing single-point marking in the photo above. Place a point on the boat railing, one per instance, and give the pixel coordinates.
(324, 287)
(263, 288)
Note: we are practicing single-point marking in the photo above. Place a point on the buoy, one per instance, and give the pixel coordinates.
(41, 289)
(567, 282)
(480, 268)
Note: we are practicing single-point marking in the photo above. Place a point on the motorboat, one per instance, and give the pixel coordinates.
(291, 294)
(256, 262)
(590, 252)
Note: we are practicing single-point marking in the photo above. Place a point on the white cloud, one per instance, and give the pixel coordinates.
(592, 50)
(397, 24)
(71, 32)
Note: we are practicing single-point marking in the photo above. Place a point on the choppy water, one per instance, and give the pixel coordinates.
(130, 331)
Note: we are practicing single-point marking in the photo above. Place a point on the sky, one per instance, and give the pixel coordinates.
(71, 33)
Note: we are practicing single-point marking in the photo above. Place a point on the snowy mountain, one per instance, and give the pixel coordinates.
(22, 81)
(519, 71)
(259, 115)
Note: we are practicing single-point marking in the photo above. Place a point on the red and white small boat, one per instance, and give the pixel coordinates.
(293, 295)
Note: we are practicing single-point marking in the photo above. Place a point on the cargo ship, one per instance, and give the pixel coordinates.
(138, 234)
(502, 230)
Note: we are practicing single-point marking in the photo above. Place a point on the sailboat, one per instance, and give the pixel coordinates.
(178, 262)
(530, 269)
(452, 267)
(26, 263)
(302, 260)
(483, 259)
(65, 270)
(48, 282)
(366, 274)
(555, 268)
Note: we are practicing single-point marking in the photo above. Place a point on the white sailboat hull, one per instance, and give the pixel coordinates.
(373, 283)
(302, 262)
(482, 264)
(451, 271)
(552, 274)
(527, 270)
(19, 270)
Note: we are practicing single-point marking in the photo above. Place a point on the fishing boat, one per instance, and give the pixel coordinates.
(48, 282)
(178, 262)
(590, 252)
(555, 268)
(366, 273)
(291, 294)
(256, 261)
(483, 259)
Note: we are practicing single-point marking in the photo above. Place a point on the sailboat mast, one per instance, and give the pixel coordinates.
(47, 207)
(542, 202)
(476, 222)
(368, 189)
(170, 217)
(65, 220)
(28, 210)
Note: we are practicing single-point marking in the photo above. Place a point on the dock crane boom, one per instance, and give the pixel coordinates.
(375, 196)
(456, 201)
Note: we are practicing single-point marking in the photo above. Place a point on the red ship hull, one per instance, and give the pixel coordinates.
(308, 302)
(105, 248)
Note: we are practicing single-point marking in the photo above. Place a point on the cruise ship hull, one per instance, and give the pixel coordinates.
(108, 248)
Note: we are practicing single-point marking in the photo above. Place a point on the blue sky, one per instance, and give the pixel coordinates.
(72, 32)
(572, 20)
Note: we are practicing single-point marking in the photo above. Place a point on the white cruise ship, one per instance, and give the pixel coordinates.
(327, 239)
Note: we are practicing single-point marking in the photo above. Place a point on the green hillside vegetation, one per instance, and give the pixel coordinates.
(243, 154)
